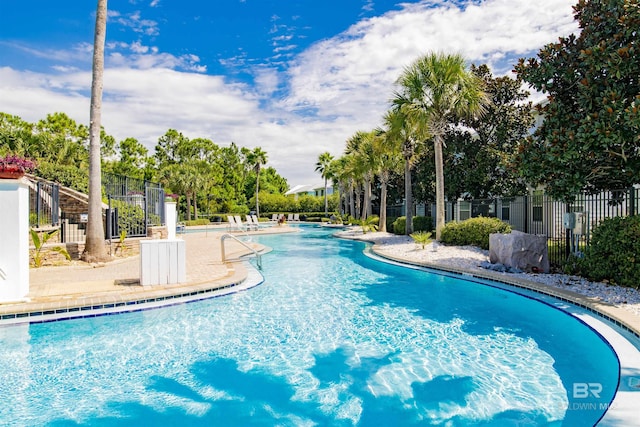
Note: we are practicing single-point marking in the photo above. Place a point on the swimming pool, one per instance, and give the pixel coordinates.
(331, 337)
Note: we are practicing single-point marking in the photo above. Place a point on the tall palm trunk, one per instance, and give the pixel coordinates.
(439, 186)
(257, 189)
(94, 249)
(358, 191)
(326, 202)
(188, 195)
(352, 199)
(366, 205)
(384, 178)
(408, 194)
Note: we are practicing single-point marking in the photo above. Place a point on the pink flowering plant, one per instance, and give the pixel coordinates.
(13, 163)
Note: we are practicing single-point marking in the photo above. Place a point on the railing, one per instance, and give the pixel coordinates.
(222, 239)
(44, 208)
(538, 213)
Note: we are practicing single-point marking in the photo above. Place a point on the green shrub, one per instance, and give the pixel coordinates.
(614, 253)
(399, 226)
(420, 223)
(201, 221)
(473, 231)
(368, 224)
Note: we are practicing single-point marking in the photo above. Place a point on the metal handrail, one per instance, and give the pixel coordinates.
(3, 275)
(224, 236)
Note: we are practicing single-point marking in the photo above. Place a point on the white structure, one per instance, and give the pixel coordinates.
(163, 262)
(14, 240)
(171, 219)
(311, 190)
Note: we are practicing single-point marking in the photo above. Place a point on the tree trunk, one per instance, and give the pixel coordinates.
(408, 195)
(326, 206)
(195, 206)
(188, 206)
(352, 203)
(358, 201)
(382, 226)
(366, 202)
(439, 186)
(94, 249)
(257, 190)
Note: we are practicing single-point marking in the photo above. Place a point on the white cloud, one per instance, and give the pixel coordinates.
(365, 60)
(346, 80)
(135, 22)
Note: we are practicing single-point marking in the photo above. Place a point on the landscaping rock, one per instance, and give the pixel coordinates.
(526, 252)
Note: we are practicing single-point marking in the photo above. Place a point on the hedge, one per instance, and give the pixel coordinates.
(614, 253)
(420, 223)
(473, 231)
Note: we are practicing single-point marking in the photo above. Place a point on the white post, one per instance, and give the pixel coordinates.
(171, 219)
(14, 240)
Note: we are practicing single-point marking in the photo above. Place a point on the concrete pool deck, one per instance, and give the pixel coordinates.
(82, 290)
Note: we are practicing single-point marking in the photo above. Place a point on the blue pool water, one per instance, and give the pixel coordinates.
(331, 337)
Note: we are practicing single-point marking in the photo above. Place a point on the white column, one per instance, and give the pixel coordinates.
(14, 240)
(171, 219)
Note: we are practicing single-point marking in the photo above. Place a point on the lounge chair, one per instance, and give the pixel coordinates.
(232, 223)
(296, 217)
(250, 223)
(241, 225)
(256, 221)
(290, 218)
(274, 218)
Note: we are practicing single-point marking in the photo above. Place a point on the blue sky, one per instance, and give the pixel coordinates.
(295, 77)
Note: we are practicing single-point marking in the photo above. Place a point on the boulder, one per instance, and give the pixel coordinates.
(527, 252)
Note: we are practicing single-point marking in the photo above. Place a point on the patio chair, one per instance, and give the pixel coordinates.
(232, 223)
(256, 221)
(274, 218)
(290, 217)
(250, 223)
(296, 217)
(241, 225)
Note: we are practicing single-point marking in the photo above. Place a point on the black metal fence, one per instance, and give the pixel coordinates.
(134, 205)
(568, 226)
(44, 204)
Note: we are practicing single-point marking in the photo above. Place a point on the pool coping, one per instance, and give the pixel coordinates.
(623, 409)
(99, 305)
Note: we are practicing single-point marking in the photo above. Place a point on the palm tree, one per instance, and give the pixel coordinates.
(438, 87)
(324, 167)
(94, 249)
(405, 134)
(342, 179)
(256, 159)
(360, 146)
(389, 160)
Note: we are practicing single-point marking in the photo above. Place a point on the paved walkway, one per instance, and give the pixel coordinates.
(64, 291)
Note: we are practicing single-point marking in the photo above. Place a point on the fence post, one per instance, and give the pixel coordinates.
(109, 220)
(526, 213)
(64, 225)
(55, 204)
(632, 201)
(38, 203)
(567, 240)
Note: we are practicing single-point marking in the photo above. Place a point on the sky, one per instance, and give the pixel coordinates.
(294, 77)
